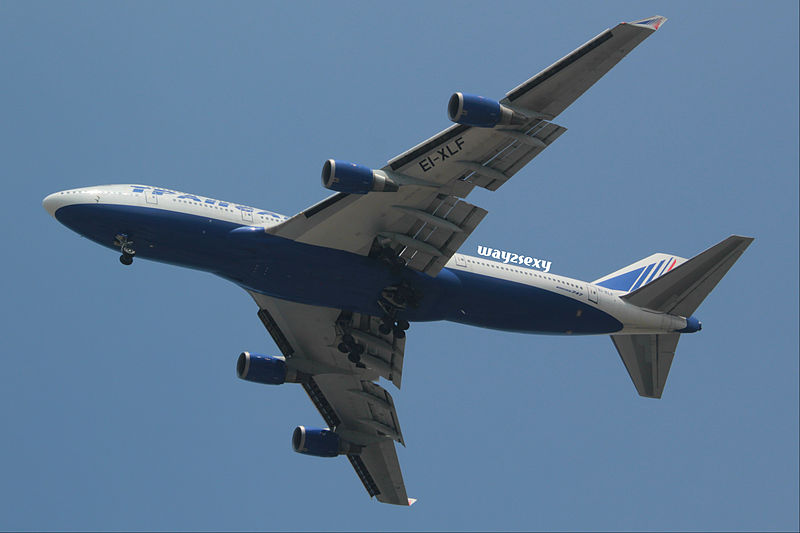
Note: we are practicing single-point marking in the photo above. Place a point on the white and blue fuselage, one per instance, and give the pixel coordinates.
(230, 240)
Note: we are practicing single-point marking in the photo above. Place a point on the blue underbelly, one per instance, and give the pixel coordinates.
(506, 305)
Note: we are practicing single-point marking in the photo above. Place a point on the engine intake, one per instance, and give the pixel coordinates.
(473, 110)
(263, 369)
(344, 176)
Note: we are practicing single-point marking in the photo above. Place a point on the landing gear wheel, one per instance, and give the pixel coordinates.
(344, 348)
(355, 353)
(348, 339)
(403, 324)
(126, 247)
(399, 333)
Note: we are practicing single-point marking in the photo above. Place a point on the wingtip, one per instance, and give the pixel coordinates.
(651, 22)
(411, 501)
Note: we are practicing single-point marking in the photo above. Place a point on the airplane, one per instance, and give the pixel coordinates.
(338, 284)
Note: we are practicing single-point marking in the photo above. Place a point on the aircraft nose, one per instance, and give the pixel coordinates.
(52, 202)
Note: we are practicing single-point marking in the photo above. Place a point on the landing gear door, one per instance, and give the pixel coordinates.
(592, 291)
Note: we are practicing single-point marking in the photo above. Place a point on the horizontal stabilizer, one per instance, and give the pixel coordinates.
(647, 358)
(682, 290)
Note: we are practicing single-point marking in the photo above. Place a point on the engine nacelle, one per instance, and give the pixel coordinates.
(263, 369)
(344, 176)
(473, 110)
(317, 442)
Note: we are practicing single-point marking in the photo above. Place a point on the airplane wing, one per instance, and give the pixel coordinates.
(426, 220)
(351, 403)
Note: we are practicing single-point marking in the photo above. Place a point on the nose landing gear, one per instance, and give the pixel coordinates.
(126, 247)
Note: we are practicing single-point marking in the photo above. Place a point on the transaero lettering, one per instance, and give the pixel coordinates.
(515, 259)
(158, 191)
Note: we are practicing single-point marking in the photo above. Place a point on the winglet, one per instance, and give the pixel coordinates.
(653, 22)
(411, 501)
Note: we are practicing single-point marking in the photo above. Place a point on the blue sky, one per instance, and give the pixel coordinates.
(119, 406)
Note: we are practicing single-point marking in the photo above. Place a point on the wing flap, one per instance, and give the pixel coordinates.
(362, 420)
(546, 132)
(431, 243)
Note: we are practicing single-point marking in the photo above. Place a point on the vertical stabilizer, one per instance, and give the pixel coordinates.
(640, 273)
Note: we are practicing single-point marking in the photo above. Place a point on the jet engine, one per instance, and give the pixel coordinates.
(344, 176)
(473, 110)
(318, 442)
(263, 369)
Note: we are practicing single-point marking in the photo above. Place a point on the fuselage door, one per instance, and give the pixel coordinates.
(247, 215)
(592, 291)
(149, 197)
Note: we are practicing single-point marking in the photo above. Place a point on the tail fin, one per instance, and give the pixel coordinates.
(639, 273)
(678, 291)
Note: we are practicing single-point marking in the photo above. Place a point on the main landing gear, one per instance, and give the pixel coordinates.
(356, 332)
(351, 348)
(396, 298)
(126, 247)
(389, 325)
(393, 301)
